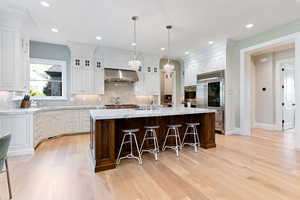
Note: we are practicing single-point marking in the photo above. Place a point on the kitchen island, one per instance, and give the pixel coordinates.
(107, 126)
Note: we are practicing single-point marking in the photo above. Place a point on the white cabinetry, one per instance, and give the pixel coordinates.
(203, 61)
(149, 81)
(98, 83)
(190, 75)
(14, 60)
(87, 74)
(82, 75)
(49, 124)
(30, 128)
(20, 128)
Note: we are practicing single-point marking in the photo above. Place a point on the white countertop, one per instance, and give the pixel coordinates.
(132, 113)
(46, 108)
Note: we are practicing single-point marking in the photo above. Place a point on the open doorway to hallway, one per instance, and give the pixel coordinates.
(273, 88)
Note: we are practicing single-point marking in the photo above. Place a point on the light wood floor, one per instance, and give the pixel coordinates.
(263, 166)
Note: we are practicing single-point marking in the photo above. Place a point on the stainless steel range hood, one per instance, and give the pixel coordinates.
(120, 75)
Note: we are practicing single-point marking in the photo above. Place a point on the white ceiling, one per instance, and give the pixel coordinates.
(195, 21)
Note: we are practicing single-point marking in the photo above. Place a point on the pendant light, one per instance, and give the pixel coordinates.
(169, 67)
(134, 64)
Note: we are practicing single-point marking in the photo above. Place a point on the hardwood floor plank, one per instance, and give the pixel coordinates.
(262, 166)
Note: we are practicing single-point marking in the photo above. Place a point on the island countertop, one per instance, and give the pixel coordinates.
(135, 113)
(107, 130)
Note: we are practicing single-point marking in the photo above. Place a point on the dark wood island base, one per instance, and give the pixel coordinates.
(106, 135)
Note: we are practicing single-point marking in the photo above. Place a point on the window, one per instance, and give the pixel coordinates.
(47, 79)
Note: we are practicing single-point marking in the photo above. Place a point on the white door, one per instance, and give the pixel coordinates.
(288, 97)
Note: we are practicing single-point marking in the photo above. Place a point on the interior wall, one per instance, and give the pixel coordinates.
(233, 62)
(264, 89)
(267, 104)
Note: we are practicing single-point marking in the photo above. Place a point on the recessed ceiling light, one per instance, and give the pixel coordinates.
(211, 42)
(162, 49)
(249, 26)
(187, 53)
(45, 4)
(98, 38)
(133, 44)
(55, 30)
(264, 60)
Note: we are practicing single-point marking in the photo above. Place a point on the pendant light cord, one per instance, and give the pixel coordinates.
(169, 45)
(134, 32)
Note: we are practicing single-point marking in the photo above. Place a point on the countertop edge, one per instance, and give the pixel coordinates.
(149, 114)
(22, 111)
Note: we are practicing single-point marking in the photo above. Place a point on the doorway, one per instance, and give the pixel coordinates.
(246, 81)
(273, 89)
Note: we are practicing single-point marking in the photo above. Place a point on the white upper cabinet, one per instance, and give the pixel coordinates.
(98, 76)
(203, 61)
(190, 75)
(87, 73)
(149, 77)
(14, 61)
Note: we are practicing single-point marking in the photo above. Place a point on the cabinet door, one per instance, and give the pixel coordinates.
(7, 59)
(87, 77)
(19, 126)
(168, 83)
(84, 121)
(70, 121)
(23, 70)
(82, 76)
(155, 81)
(190, 75)
(139, 85)
(76, 75)
(98, 77)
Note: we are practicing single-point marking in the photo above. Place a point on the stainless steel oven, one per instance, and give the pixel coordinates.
(210, 94)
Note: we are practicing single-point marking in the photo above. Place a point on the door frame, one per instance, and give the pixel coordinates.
(245, 80)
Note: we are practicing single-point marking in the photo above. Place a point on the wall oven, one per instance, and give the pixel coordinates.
(190, 95)
(210, 94)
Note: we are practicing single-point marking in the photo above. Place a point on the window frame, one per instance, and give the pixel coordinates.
(64, 78)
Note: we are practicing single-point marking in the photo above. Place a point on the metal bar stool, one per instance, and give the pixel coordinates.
(193, 128)
(173, 128)
(131, 134)
(150, 134)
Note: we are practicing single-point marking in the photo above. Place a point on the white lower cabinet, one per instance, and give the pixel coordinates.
(20, 128)
(29, 129)
(49, 124)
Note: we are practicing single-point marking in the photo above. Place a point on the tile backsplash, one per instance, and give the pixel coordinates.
(125, 92)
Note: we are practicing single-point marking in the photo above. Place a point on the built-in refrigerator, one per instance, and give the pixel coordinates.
(210, 94)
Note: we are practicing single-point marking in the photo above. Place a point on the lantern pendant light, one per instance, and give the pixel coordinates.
(169, 67)
(134, 64)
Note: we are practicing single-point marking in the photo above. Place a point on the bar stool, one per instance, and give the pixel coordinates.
(173, 128)
(193, 128)
(131, 134)
(150, 134)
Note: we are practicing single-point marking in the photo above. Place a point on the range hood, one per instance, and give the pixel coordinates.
(120, 75)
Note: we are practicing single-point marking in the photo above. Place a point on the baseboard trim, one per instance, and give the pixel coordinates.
(268, 127)
(236, 131)
(20, 152)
